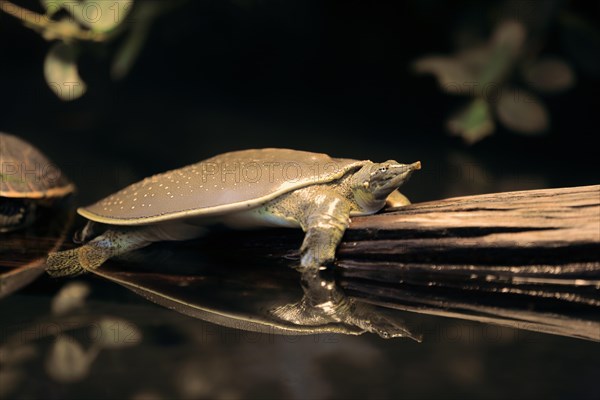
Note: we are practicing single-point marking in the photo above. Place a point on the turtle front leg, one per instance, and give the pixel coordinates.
(324, 223)
(323, 301)
(323, 234)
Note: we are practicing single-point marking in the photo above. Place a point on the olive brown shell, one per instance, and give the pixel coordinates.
(222, 184)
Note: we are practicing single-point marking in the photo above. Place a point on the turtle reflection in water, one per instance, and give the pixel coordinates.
(27, 180)
(251, 188)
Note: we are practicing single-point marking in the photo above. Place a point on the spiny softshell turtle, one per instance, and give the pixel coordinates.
(27, 179)
(250, 188)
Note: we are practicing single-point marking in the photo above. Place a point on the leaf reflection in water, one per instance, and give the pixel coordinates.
(78, 337)
(10, 378)
(67, 361)
(70, 298)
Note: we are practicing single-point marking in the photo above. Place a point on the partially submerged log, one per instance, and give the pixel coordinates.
(549, 226)
(549, 237)
(526, 259)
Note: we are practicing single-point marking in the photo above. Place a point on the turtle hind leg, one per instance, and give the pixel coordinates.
(64, 263)
(93, 254)
(112, 243)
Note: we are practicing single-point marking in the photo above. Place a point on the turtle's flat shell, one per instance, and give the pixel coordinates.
(26, 173)
(222, 184)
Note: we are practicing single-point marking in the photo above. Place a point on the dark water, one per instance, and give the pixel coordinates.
(328, 76)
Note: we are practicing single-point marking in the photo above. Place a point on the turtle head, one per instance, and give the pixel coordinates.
(374, 182)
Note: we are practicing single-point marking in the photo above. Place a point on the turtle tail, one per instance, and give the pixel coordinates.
(76, 261)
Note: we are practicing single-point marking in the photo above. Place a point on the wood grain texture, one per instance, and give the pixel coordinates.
(542, 218)
(526, 259)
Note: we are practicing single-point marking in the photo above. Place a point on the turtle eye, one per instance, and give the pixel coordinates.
(383, 169)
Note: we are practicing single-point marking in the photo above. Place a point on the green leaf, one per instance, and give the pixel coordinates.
(549, 75)
(103, 16)
(130, 50)
(97, 15)
(522, 112)
(144, 15)
(472, 71)
(472, 123)
(60, 71)
(509, 35)
(53, 6)
(65, 29)
(452, 74)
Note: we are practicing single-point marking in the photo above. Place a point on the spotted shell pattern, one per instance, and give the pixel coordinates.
(222, 184)
(26, 173)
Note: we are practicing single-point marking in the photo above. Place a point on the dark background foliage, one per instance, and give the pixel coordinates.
(330, 76)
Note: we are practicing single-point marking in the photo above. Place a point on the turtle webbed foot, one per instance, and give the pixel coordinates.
(64, 263)
(343, 311)
(75, 261)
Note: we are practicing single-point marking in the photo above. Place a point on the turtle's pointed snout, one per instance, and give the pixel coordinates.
(407, 167)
